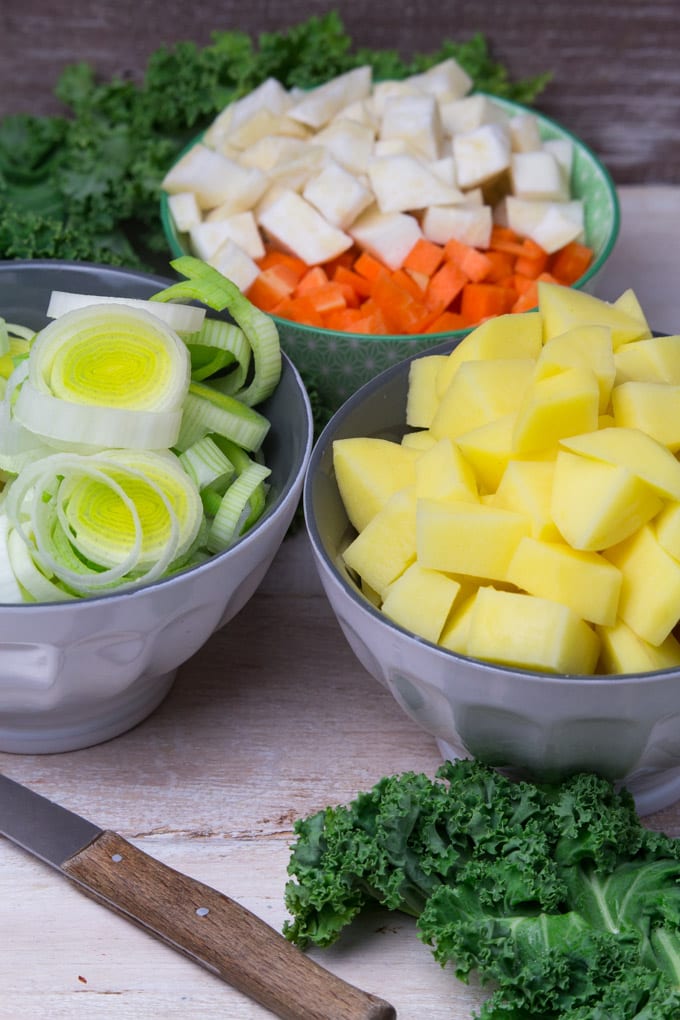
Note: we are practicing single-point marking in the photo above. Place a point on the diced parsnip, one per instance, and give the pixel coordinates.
(445, 169)
(319, 105)
(536, 176)
(525, 135)
(563, 151)
(261, 125)
(531, 633)
(214, 179)
(338, 195)
(463, 537)
(387, 236)
(390, 89)
(349, 143)
(295, 172)
(556, 229)
(459, 116)
(360, 111)
(268, 95)
(481, 154)
(630, 448)
(445, 79)
(275, 149)
(415, 119)
(206, 237)
(420, 600)
(299, 228)
(529, 217)
(394, 147)
(650, 593)
(234, 263)
(402, 183)
(239, 227)
(470, 224)
(184, 210)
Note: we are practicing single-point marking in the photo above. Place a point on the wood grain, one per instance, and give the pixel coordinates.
(616, 76)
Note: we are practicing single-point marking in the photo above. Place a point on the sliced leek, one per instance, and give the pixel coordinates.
(205, 463)
(234, 505)
(182, 318)
(206, 410)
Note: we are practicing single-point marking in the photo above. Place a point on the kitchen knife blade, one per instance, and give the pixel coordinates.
(198, 921)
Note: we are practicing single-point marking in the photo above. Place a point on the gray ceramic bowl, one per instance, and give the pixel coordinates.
(73, 674)
(626, 728)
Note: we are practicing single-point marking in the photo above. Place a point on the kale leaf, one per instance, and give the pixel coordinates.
(554, 894)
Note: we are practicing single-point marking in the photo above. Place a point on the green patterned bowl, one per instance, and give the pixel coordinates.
(335, 364)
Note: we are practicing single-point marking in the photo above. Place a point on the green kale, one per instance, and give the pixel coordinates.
(86, 185)
(555, 895)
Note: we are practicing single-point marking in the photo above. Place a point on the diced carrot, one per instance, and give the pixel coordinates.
(343, 319)
(368, 266)
(533, 261)
(276, 257)
(299, 310)
(424, 257)
(447, 322)
(361, 285)
(445, 285)
(327, 297)
(501, 265)
(345, 258)
(522, 283)
(570, 263)
(473, 262)
(405, 280)
(505, 239)
(480, 301)
(402, 312)
(315, 277)
(272, 285)
(528, 299)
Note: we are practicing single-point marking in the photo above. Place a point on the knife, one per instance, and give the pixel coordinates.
(198, 921)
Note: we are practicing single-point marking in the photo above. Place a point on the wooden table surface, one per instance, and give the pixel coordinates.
(272, 720)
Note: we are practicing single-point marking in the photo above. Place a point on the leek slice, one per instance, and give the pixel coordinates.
(207, 410)
(182, 318)
(224, 528)
(204, 283)
(205, 463)
(215, 346)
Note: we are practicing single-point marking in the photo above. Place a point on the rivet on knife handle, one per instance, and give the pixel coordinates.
(218, 933)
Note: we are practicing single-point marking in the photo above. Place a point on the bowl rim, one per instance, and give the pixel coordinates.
(177, 249)
(95, 268)
(370, 390)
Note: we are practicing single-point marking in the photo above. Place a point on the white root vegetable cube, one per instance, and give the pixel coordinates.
(471, 225)
(390, 89)
(263, 124)
(445, 169)
(447, 78)
(556, 229)
(317, 106)
(563, 151)
(234, 263)
(338, 195)
(239, 227)
(459, 116)
(415, 119)
(299, 228)
(349, 143)
(273, 150)
(402, 183)
(537, 176)
(206, 238)
(215, 179)
(387, 236)
(361, 111)
(269, 95)
(184, 210)
(296, 171)
(550, 221)
(525, 135)
(481, 154)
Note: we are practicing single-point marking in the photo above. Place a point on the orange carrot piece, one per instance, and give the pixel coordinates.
(327, 297)
(349, 278)
(505, 239)
(570, 263)
(528, 299)
(533, 261)
(501, 265)
(299, 310)
(272, 285)
(405, 280)
(424, 257)
(402, 312)
(276, 257)
(446, 284)
(368, 266)
(473, 262)
(315, 276)
(447, 322)
(481, 301)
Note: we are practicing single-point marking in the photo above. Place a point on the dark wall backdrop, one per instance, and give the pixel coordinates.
(616, 65)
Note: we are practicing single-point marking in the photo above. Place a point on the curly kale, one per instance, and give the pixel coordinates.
(555, 895)
(86, 185)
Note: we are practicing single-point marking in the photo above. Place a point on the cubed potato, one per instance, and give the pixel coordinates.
(421, 399)
(442, 472)
(505, 336)
(650, 592)
(368, 471)
(564, 307)
(587, 347)
(584, 581)
(468, 538)
(420, 440)
(387, 545)
(526, 487)
(489, 449)
(596, 505)
(655, 360)
(652, 407)
(387, 236)
(299, 228)
(414, 118)
(560, 405)
(642, 455)
(420, 600)
(402, 182)
(480, 392)
(628, 303)
(667, 529)
(622, 651)
(455, 632)
(530, 632)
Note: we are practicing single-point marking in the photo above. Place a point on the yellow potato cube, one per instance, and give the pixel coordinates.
(560, 405)
(652, 407)
(622, 651)
(387, 545)
(596, 505)
(467, 538)
(442, 472)
(420, 600)
(457, 627)
(480, 392)
(489, 449)
(584, 581)
(368, 471)
(655, 360)
(422, 398)
(505, 336)
(667, 529)
(635, 450)
(650, 590)
(526, 487)
(564, 307)
(586, 347)
(529, 632)
(420, 440)
(628, 304)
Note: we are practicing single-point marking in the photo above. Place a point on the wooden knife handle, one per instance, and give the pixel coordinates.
(218, 933)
